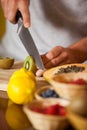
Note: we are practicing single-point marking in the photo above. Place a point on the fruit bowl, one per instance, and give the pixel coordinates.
(41, 121)
(45, 92)
(69, 85)
(6, 62)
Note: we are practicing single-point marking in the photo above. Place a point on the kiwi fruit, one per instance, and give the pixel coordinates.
(6, 62)
(29, 64)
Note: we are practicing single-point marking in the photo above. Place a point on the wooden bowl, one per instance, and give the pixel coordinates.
(41, 90)
(50, 73)
(42, 121)
(6, 62)
(67, 90)
(78, 122)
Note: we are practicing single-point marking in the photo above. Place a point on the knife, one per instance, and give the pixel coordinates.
(28, 42)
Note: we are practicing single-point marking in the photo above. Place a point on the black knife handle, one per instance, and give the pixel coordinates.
(18, 15)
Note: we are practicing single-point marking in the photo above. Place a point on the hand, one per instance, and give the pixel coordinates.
(76, 53)
(59, 56)
(10, 8)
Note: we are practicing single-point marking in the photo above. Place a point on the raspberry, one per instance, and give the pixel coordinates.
(50, 110)
(79, 81)
(35, 109)
(62, 111)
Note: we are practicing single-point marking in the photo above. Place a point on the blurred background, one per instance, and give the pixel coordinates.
(2, 23)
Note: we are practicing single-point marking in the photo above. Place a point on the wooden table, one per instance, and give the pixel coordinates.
(5, 103)
(6, 74)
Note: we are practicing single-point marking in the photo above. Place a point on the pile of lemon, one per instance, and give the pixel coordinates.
(22, 85)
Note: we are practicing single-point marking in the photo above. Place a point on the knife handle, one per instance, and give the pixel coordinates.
(18, 15)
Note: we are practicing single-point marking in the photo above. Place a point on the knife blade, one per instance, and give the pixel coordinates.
(28, 42)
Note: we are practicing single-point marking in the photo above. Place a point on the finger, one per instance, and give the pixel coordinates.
(44, 58)
(4, 7)
(24, 9)
(39, 73)
(3, 4)
(52, 54)
(10, 10)
(62, 58)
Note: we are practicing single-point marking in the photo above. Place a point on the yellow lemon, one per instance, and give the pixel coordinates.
(21, 87)
(23, 73)
(16, 118)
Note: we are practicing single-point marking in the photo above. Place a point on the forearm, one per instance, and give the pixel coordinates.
(80, 48)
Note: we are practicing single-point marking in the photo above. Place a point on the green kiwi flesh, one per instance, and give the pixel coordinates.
(29, 64)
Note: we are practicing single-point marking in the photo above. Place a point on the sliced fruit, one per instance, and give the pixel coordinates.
(29, 64)
(6, 62)
(50, 73)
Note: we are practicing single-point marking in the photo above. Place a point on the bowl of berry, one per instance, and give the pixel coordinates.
(46, 92)
(47, 114)
(69, 85)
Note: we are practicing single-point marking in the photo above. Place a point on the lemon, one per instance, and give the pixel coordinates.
(23, 73)
(22, 86)
(16, 118)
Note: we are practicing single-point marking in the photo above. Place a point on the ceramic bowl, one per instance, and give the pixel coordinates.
(41, 90)
(43, 121)
(65, 89)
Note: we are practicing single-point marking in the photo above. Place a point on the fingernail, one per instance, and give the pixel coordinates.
(39, 73)
(27, 25)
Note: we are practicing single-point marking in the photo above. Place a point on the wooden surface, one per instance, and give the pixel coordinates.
(6, 74)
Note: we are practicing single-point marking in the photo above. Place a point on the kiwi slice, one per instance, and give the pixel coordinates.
(29, 64)
(6, 62)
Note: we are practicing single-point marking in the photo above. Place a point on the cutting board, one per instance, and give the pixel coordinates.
(6, 74)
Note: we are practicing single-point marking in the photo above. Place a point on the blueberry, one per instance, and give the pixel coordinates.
(55, 95)
(43, 95)
(49, 92)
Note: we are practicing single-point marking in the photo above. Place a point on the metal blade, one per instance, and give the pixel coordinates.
(29, 44)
